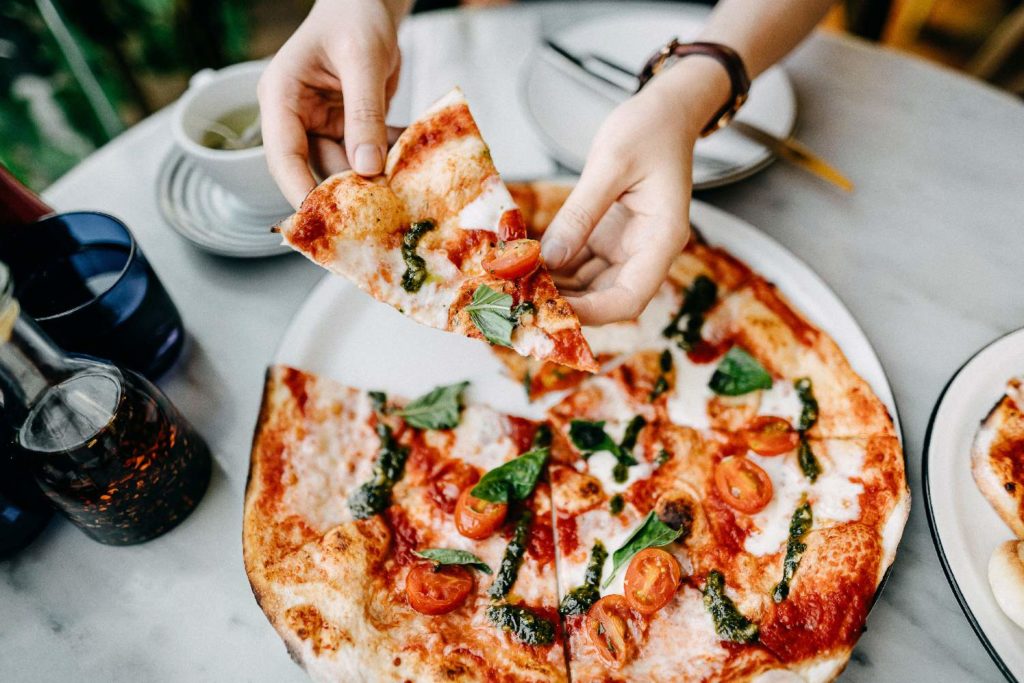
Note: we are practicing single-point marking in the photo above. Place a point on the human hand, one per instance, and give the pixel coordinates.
(324, 95)
(612, 243)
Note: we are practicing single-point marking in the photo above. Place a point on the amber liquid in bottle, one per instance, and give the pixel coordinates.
(131, 480)
(105, 446)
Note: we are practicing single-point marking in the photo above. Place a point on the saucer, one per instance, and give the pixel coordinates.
(209, 216)
(567, 107)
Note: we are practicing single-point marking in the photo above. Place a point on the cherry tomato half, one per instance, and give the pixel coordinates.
(769, 435)
(449, 481)
(608, 628)
(742, 484)
(437, 590)
(513, 260)
(476, 518)
(651, 580)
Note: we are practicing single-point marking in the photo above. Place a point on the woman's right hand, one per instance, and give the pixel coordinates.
(324, 95)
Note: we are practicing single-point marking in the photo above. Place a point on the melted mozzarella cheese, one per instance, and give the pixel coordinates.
(532, 341)
(687, 404)
(364, 264)
(485, 212)
(482, 438)
(833, 496)
(601, 464)
(781, 401)
(645, 332)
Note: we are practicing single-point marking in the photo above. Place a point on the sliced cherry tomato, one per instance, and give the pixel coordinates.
(513, 260)
(609, 631)
(651, 580)
(742, 484)
(437, 590)
(476, 518)
(770, 435)
(449, 481)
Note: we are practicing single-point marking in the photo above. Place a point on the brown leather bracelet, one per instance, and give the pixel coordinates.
(726, 56)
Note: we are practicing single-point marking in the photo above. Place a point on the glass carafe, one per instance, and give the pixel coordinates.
(105, 446)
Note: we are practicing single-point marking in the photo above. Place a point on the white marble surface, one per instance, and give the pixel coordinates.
(925, 254)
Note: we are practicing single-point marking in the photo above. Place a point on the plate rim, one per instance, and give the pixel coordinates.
(933, 530)
(557, 152)
(169, 211)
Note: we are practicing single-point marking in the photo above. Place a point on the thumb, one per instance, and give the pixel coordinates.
(593, 195)
(363, 92)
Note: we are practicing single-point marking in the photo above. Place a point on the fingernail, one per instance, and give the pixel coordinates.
(554, 252)
(369, 160)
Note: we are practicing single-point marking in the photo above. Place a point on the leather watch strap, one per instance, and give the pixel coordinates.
(726, 56)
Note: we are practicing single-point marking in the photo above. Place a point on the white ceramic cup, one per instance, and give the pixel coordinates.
(244, 172)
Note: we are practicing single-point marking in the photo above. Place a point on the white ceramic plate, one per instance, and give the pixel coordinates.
(567, 109)
(210, 217)
(342, 333)
(964, 526)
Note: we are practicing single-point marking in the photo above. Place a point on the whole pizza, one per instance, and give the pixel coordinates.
(720, 502)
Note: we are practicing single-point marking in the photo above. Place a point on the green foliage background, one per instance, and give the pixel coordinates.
(124, 42)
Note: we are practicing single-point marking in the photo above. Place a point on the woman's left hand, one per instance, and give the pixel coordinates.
(612, 243)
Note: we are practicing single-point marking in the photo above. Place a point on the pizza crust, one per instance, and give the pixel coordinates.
(997, 460)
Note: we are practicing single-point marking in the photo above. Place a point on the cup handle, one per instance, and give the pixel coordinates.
(200, 77)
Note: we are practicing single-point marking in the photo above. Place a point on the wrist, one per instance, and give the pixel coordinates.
(695, 88)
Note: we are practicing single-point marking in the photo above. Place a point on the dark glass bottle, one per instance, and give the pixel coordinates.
(105, 446)
(24, 511)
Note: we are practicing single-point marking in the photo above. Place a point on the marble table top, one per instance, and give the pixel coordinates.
(924, 253)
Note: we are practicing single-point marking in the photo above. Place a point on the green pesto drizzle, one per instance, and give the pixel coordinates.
(616, 504)
(809, 464)
(415, 267)
(580, 599)
(525, 626)
(795, 547)
(513, 557)
(665, 365)
(697, 301)
(729, 623)
(375, 495)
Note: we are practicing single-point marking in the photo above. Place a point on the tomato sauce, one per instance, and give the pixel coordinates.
(404, 538)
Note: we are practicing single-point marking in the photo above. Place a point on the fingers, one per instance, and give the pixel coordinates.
(284, 139)
(583, 276)
(363, 85)
(327, 156)
(596, 190)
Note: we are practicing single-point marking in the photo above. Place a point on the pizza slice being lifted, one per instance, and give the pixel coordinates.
(439, 237)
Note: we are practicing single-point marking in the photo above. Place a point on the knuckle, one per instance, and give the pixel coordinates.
(365, 110)
(577, 219)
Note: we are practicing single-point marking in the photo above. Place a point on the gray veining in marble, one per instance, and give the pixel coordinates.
(925, 254)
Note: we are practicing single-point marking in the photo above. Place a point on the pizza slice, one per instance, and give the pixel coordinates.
(997, 457)
(439, 237)
(370, 552)
(663, 529)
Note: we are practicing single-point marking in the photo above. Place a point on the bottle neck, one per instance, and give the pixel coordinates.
(18, 204)
(29, 362)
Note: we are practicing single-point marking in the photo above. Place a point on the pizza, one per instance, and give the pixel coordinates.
(997, 457)
(349, 495)
(721, 501)
(439, 237)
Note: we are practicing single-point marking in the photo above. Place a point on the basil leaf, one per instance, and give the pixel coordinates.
(491, 312)
(375, 495)
(729, 623)
(453, 556)
(739, 373)
(799, 525)
(379, 401)
(653, 533)
(438, 409)
(808, 462)
(513, 480)
(809, 409)
(415, 267)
